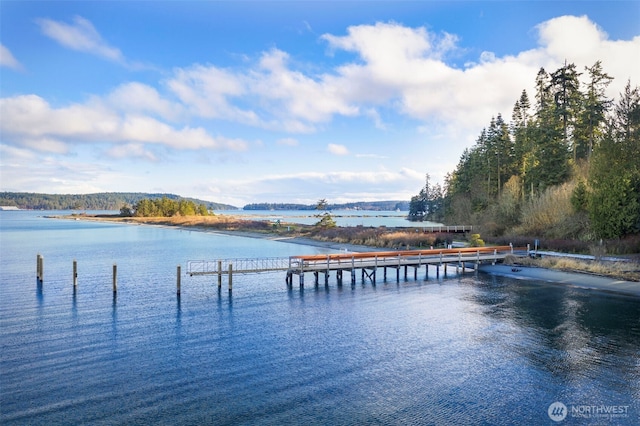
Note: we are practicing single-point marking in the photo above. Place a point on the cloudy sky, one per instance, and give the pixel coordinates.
(241, 102)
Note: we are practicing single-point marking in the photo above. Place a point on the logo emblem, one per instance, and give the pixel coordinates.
(557, 411)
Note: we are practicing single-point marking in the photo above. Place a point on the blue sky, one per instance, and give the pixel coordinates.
(241, 102)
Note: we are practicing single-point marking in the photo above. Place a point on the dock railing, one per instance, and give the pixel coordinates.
(242, 265)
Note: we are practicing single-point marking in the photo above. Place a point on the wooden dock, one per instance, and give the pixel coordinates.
(368, 263)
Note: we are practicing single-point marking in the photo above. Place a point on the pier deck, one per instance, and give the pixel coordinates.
(368, 263)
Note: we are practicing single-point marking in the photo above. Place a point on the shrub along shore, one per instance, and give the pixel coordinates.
(366, 238)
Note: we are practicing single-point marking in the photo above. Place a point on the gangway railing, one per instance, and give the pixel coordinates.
(239, 266)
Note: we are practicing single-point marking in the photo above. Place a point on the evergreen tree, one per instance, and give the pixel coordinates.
(614, 202)
(590, 125)
(429, 203)
(565, 88)
(551, 155)
(522, 140)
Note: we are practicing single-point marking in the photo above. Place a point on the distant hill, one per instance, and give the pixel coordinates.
(360, 205)
(98, 201)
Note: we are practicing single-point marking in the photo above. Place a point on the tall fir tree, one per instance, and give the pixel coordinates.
(614, 178)
(591, 121)
(551, 155)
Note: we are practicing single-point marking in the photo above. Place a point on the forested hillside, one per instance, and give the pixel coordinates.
(98, 201)
(567, 165)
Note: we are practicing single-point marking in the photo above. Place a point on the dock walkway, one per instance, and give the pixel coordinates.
(368, 263)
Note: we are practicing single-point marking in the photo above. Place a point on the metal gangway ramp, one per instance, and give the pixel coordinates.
(228, 267)
(238, 266)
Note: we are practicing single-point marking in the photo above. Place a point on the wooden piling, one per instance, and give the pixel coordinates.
(178, 279)
(75, 273)
(115, 278)
(219, 273)
(40, 268)
(230, 277)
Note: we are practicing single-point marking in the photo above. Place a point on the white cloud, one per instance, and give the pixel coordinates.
(30, 121)
(141, 98)
(404, 68)
(579, 40)
(280, 98)
(337, 149)
(299, 96)
(7, 59)
(23, 170)
(81, 35)
(208, 91)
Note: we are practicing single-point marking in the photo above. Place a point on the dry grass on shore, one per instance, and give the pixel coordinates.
(368, 236)
(220, 222)
(628, 271)
(377, 237)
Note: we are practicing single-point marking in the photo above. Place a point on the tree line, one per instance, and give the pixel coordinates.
(571, 153)
(97, 201)
(165, 207)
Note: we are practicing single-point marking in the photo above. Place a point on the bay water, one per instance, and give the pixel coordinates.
(460, 349)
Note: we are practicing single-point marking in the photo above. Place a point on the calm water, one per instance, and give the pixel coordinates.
(457, 350)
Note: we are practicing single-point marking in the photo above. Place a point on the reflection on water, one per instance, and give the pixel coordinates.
(470, 349)
(575, 335)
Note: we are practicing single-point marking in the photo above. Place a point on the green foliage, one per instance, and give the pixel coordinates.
(326, 221)
(428, 204)
(164, 207)
(125, 211)
(614, 207)
(580, 197)
(476, 241)
(614, 204)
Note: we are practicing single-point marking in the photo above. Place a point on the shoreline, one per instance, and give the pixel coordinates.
(569, 279)
(306, 241)
(572, 279)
